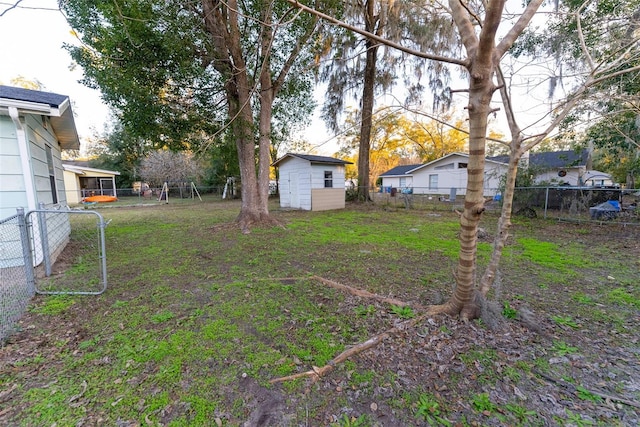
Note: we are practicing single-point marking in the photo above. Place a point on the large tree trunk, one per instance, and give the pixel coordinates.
(242, 128)
(367, 121)
(364, 147)
(481, 89)
(222, 23)
(481, 51)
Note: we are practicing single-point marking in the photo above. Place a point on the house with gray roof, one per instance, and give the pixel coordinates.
(566, 168)
(448, 174)
(35, 127)
(443, 177)
(311, 182)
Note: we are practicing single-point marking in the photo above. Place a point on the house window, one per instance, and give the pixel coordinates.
(433, 182)
(52, 174)
(462, 165)
(328, 179)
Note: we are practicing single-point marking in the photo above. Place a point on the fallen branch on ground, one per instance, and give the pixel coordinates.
(365, 294)
(316, 373)
(574, 389)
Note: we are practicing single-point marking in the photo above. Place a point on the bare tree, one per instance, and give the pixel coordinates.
(169, 166)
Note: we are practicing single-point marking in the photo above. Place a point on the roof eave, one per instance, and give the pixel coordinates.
(336, 162)
(81, 170)
(61, 119)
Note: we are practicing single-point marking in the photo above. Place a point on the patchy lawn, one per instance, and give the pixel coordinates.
(199, 319)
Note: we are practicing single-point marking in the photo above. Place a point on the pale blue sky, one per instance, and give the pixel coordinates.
(32, 35)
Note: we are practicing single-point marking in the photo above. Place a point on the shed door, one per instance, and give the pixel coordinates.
(293, 190)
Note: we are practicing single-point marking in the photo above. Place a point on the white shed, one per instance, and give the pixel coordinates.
(311, 182)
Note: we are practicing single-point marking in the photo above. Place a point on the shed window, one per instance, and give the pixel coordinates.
(52, 174)
(433, 182)
(462, 165)
(328, 179)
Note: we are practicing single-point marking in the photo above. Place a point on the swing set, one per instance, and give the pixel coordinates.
(164, 193)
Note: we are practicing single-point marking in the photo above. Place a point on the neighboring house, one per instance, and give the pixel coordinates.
(444, 176)
(311, 182)
(81, 181)
(595, 178)
(399, 177)
(34, 129)
(567, 168)
(450, 172)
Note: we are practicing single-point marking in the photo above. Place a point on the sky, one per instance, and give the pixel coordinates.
(33, 34)
(38, 31)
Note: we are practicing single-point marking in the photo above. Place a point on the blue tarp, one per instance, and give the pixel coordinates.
(606, 210)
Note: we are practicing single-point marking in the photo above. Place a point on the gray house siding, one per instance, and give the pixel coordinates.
(12, 185)
(34, 128)
(39, 139)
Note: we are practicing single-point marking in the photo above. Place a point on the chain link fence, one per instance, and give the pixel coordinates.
(433, 199)
(69, 253)
(59, 251)
(16, 279)
(579, 204)
(613, 205)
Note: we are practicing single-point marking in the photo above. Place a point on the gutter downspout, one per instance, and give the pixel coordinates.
(25, 161)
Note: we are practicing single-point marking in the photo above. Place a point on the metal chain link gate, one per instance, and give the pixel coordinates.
(68, 251)
(49, 252)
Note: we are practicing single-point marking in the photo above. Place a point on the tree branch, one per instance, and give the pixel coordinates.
(13, 6)
(465, 27)
(571, 102)
(378, 38)
(316, 373)
(492, 18)
(302, 41)
(574, 389)
(517, 29)
(583, 45)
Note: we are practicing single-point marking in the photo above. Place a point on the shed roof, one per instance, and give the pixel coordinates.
(313, 159)
(83, 170)
(53, 105)
(553, 159)
(400, 170)
(409, 169)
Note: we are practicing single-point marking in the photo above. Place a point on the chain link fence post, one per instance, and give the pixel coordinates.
(26, 252)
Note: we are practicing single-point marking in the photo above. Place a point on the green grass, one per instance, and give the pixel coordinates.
(404, 312)
(430, 410)
(54, 305)
(195, 309)
(565, 321)
(624, 297)
(562, 260)
(561, 348)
